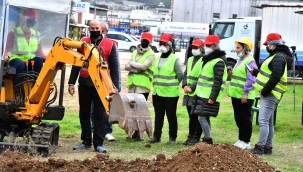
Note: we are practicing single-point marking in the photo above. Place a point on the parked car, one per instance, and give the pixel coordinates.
(155, 45)
(125, 41)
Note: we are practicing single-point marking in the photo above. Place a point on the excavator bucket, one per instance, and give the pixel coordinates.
(131, 112)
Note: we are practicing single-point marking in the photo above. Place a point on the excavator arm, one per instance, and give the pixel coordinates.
(130, 111)
(63, 53)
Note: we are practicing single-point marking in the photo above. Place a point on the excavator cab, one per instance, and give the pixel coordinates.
(30, 98)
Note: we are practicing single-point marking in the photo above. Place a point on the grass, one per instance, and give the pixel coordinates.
(288, 145)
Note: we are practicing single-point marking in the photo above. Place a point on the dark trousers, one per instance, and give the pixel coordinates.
(108, 127)
(87, 95)
(166, 105)
(242, 114)
(194, 124)
(21, 67)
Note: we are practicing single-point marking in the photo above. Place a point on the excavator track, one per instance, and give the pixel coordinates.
(43, 141)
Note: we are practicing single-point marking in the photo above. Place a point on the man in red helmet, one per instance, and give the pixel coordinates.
(140, 69)
(271, 82)
(23, 44)
(210, 85)
(189, 84)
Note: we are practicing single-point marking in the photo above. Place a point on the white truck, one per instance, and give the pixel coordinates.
(276, 18)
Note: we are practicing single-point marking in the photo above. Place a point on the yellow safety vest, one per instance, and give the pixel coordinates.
(238, 80)
(21, 49)
(264, 75)
(206, 80)
(143, 79)
(165, 81)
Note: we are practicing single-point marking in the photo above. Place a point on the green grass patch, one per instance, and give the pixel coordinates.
(287, 146)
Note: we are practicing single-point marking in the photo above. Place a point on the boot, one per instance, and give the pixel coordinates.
(268, 150)
(258, 150)
(207, 140)
(193, 141)
(187, 141)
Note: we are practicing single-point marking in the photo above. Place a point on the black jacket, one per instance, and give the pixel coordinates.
(277, 66)
(113, 63)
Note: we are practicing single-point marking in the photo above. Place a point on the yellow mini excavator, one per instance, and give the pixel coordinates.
(19, 115)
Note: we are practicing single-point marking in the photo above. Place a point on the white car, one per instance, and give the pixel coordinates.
(155, 45)
(125, 41)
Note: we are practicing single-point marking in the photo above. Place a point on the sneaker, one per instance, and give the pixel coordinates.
(237, 143)
(100, 149)
(243, 145)
(258, 150)
(154, 140)
(81, 146)
(109, 137)
(187, 141)
(207, 140)
(268, 150)
(171, 141)
(194, 141)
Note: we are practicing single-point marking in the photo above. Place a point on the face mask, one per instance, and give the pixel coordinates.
(208, 50)
(195, 52)
(241, 54)
(269, 50)
(95, 34)
(144, 43)
(163, 49)
(30, 22)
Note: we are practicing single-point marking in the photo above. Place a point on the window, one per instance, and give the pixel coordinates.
(123, 38)
(234, 15)
(216, 16)
(112, 36)
(224, 30)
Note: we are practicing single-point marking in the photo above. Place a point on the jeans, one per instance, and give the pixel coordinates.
(266, 117)
(20, 65)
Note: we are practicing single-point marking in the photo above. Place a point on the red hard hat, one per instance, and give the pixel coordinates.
(210, 39)
(30, 13)
(165, 38)
(148, 36)
(272, 37)
(198, 43)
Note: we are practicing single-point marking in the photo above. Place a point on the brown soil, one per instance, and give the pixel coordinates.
(201, 157)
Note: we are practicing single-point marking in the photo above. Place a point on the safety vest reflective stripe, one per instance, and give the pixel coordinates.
(276, 89)
(239, 85)
(166, 84)
(268, 75)
(142, 74)
(208, 85)
(239, 78)
(165, 77)
(141, 79)
(22, 49)
(191, 77)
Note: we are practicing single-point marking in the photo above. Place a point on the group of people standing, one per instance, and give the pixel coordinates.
(204, 81)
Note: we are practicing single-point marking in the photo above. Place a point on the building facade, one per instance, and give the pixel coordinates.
(208, 11)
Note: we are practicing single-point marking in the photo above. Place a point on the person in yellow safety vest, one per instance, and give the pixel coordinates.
(189, 83)
(210, 85)
(166, 90)
(23, 45)
(242, 91)
(140, 67)
(271, 82)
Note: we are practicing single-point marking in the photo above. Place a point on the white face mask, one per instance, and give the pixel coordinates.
(241, 54)
(208, 50)
(195, 52)
(163, 49)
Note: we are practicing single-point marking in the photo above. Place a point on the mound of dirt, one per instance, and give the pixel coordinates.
(201, 157)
